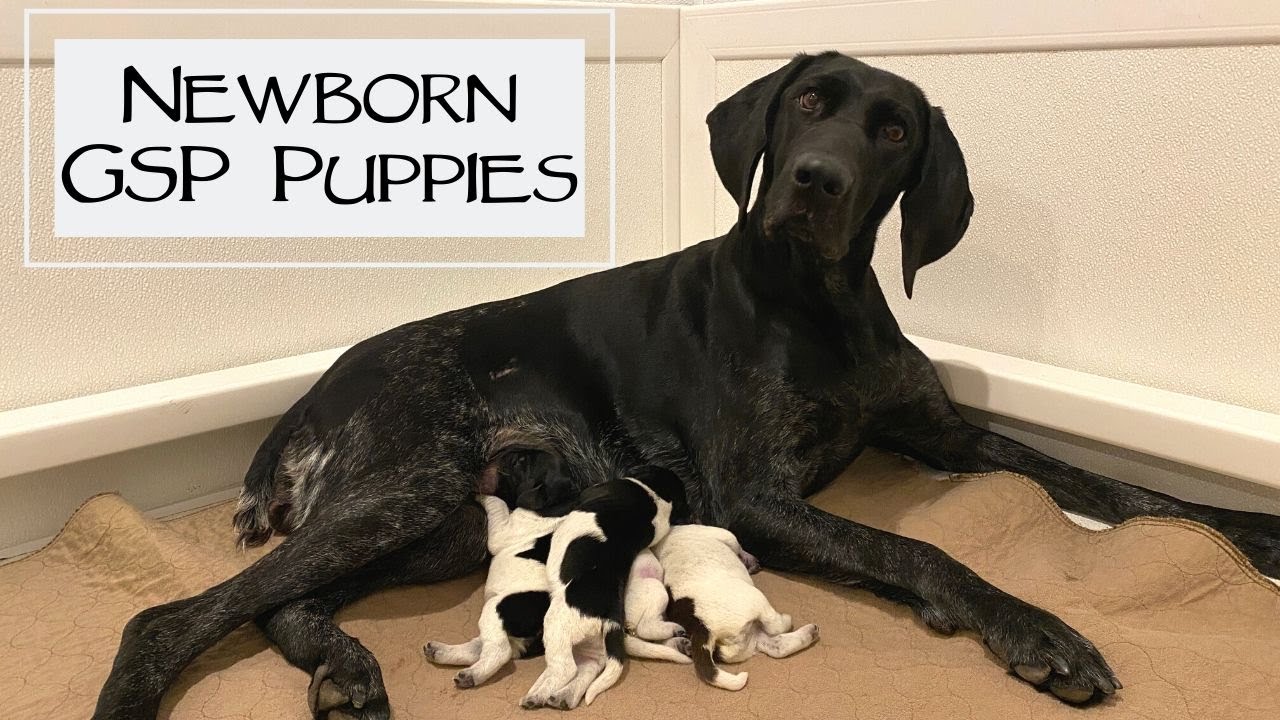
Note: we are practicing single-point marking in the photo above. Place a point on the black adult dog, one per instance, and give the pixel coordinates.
(756, 366)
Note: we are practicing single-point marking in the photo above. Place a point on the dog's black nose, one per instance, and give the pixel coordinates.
(817, 173)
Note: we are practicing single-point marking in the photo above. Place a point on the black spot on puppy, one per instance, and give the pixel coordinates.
(540, 550)
(522, 613)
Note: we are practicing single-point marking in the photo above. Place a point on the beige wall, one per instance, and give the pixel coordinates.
(1127, 207)
(65, 333)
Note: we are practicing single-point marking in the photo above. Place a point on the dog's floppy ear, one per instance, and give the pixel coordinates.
(740, 127)
(935, 213)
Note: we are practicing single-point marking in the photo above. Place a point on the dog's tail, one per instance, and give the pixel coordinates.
(703, 646)
(636, 647)
(615, 651)
(259, 512)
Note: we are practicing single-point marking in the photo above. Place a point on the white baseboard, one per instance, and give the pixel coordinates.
(1214, 436)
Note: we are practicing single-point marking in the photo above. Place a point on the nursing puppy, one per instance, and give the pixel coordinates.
(713, 597)
(591, 556)
(646, 605)
(516, 590)
(515, 595)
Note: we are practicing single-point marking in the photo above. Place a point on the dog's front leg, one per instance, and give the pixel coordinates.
(789, 534)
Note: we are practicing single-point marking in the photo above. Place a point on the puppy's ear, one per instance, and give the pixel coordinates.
(741, 126)
(666, 485)
(936, 211)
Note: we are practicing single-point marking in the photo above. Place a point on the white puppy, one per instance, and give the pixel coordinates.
(713, 597)
(515, 595)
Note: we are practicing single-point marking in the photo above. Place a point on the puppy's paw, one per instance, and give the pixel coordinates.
(808, 634)
(683, 645)
(464, 679)
(531, 702)
(563, 700)
(750, 562)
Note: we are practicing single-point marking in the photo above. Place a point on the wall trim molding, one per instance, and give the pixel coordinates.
(1222, 438)
(644, 32)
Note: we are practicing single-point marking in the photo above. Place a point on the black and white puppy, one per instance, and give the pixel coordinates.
(516, 591)
(591, 555)
(515, 595)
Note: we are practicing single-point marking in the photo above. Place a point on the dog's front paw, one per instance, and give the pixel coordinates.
(1049, 654)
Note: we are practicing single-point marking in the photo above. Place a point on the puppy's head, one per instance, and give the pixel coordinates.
(532, 479)
(666, 485)
(840, 141)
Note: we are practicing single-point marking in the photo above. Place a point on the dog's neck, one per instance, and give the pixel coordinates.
(782, 271)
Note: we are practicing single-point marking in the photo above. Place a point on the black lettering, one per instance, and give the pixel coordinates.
(116, 174)
(272, 93)
(387, 181)
(168, 172)
(323, 94)
(434, 97)
(283, 177)
(366, 196)
(189, 177)
(428, 161)
(191, 98)
(133, 78)
(489, 170)
(474, 85)
(573, 179)
(368, 101)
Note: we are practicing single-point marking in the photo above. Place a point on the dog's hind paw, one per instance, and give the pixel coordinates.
(464, 679)
(349, 690)
(562, 700)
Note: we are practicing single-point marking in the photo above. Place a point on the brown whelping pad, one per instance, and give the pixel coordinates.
(1189, 627)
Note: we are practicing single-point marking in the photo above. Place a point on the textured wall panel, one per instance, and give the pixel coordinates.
(65, 333)
(1127, 207)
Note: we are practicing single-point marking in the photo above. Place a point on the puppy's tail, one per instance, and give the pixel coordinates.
(637, 647)
(615, 655)
(258, 510)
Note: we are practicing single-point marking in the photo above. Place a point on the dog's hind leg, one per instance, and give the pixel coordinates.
(788, 643)
(465, 653)
(615, 655)
(495, 648)
(397, 505)
(590, 658)
(562, 628)
(773, 622)
(343, 671)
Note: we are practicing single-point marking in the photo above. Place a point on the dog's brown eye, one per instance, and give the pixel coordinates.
(893, 133)
(810, 100)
